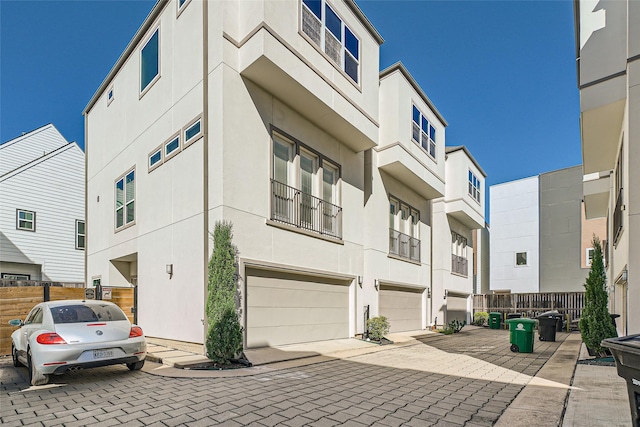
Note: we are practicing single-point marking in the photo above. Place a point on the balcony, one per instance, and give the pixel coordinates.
(404, 246)
(595, 188)
(459, 265)
(305, 211)
(406, 167)
(617, 219)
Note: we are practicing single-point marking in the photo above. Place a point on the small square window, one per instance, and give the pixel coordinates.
(172, 147)
(521, 258)
(110, 96)
(192, 131)
(25, 220)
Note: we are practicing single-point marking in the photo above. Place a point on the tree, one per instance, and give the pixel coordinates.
(595, 322)
(224, 334)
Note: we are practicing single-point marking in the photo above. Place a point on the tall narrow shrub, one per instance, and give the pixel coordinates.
(224, 334)
(595, 322)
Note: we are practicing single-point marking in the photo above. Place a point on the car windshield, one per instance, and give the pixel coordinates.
(84, 313)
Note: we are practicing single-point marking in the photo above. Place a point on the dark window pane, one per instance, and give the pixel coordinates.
(80, 227)
(84, 314)
(149, 61)
(351, 42)
(416, 115)
(315, 7)
(333, 23)
(119, 217)
(155, 158)
(432, 133)
(80, 242)
(425, 125)
(130, 212)
(192, 131)
(416, 133)
(351, 67)
(172, 146)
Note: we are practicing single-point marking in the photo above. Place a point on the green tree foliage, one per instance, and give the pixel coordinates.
(595, 322)
(378, 327)
(224, 334)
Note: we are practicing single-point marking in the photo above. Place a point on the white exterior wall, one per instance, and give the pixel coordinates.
(515, 226)
(29, 147)
(52, 187)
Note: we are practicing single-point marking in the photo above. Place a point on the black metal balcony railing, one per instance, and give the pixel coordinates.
(294, 207)
(404, 246)
(459, 265)
(617, 219)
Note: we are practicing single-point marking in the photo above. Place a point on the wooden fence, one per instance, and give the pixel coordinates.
(533, 304)
(16, 301)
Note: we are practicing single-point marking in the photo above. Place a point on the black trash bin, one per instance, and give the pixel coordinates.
(514, 315)
(626, 351)
(547, 327)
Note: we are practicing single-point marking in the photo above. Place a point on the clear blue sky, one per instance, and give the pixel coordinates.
(501, 72)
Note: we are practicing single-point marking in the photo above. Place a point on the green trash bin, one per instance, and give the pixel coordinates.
(521, 334)
(494, 320)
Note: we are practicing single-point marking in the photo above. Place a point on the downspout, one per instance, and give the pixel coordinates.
(431, 263)
(86, 199)
(205, 161)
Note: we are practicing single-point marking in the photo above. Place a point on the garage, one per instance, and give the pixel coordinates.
(285, 308)
(402, 306)
(456, 307)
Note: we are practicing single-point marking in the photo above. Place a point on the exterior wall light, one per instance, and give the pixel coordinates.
(169, 270)
(376, 284)
(446, 292)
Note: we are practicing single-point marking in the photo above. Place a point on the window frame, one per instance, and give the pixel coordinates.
(143, 90)
(589, 259)
(187, 142)
(159, 163)
(321, 47)
(181, 7)
(123, 178)
(168, 156)
(410, 225)
(111, 95)
(429, 140)
(473, 189)
(459, 245)
(78, 235)
(526, 259)
(15, 276)
(32, 221)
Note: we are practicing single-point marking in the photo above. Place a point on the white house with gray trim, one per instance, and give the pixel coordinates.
(273, 116)
(42, 229)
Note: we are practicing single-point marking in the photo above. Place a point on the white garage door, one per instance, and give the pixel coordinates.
(287, 309)
(456, 307)
(402, 307)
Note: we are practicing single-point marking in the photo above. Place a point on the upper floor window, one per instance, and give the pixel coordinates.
(125, 199)
(150, 61)
(110, 95)
(521, 259)
(25, 220)
(181, 4)
(323, 25)
(404, 230)
(155, 158)
(192, 131)
(589, 256)
(423, 133)
(80, 234)
(458, 245)
(474, 187)
(172, 147)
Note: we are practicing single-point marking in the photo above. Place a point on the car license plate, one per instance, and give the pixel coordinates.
(101, 354)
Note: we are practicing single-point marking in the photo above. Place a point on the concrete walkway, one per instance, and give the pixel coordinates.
(559, 393)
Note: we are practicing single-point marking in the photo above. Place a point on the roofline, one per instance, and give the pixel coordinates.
(365, 21)
(26, 134)
(133, 44)
(399, 66)
(40, 159)
(448, 150)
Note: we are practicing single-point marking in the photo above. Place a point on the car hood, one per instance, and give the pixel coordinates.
(82, 333)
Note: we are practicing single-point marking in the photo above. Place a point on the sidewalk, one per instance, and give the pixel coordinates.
(561, 393)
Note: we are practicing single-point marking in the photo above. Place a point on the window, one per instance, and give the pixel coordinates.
(182, 4)
(192, 131)
(325, 28)
(25, 220)
(423, 133)
(304, 188)
(474, 187)
(13, 276)
(404, 230)
(521, 258)
(459, 261)
(110, 96)
(80, 234)
(589, 256)
(150, 61)
(125, 200)
(172, 147)
(155, 158)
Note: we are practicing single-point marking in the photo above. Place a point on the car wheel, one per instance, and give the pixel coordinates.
(135, 366)
(14, 355)
(35, 377)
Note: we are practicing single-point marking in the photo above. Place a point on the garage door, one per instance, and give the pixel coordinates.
(456, 307)
(402, 307)
(287, 309)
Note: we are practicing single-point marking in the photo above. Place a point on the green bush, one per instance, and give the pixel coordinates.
(446, 331)
(378, 327)
(224, 333)
(595, 321)
(480, 318)
(457, 325)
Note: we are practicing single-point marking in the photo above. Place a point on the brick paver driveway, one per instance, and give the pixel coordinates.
(463, 379)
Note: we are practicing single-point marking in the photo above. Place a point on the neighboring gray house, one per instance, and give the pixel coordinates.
(540, 238)
(42, 228)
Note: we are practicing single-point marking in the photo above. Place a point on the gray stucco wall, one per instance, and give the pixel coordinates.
(560, 231)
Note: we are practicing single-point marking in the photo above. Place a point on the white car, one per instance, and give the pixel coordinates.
(58, 336)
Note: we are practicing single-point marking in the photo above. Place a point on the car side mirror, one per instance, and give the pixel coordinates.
(16, 322)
